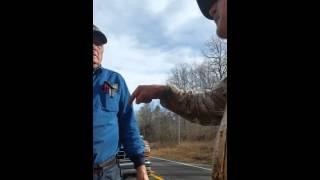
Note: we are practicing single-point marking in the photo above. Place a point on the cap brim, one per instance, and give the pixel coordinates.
(205, 6)
(101, 38)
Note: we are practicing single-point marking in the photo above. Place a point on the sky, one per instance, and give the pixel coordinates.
(147, 38)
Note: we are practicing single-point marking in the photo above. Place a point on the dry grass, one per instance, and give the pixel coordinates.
(190, 152)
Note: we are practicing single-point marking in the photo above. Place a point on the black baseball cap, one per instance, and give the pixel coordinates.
(205, 6)
(98, 35)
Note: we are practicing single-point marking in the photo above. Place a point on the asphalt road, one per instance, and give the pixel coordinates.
(171, 170)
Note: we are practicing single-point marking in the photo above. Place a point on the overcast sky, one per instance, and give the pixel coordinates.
(146, 38)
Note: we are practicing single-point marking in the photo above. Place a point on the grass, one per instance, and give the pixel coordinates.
(190, 152)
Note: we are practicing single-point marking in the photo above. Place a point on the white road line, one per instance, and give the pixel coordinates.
(181, 163)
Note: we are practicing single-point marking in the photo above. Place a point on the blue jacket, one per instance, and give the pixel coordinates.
(114, 121)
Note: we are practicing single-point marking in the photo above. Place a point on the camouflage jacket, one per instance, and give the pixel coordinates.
(205, 108)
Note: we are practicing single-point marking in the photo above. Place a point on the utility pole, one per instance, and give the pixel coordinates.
(178, 130)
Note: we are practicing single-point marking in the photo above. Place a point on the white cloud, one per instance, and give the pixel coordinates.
(139, 64)
(146, 38)
(158, 6)
(180, 16)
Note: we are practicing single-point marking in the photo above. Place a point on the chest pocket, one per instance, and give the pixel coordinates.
(110, 103)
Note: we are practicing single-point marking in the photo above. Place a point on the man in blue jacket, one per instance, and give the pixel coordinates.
(114, 121)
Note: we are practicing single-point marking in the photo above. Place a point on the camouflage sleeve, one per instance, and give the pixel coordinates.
(205, 108)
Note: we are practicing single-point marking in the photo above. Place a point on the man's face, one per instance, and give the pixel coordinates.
(219, 13)
(97, 54)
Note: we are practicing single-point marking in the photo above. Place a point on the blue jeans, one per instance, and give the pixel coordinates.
(112, 173)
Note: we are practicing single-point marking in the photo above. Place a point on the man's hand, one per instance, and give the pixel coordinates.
(142, 173)
(145, 93)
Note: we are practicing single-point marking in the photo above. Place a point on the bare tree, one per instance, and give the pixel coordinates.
(180, 76)
(165, 127)
(205, 75)
(216, 53)
(145, 121)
